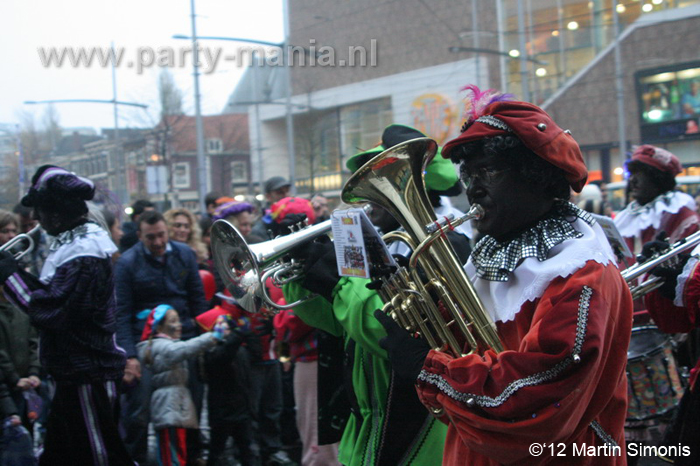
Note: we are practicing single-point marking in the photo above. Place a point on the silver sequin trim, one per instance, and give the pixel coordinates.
(536, 379)
(583, 305)
(493, 121)
(604, 436)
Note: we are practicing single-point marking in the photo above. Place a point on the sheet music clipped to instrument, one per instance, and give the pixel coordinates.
(356, 243)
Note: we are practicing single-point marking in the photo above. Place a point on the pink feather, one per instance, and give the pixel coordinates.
(479, 100)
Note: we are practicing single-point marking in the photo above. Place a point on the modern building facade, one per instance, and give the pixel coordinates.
(358, 66)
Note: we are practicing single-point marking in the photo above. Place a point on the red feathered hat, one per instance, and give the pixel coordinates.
(491, 115)
(292, 205)
(659, 158)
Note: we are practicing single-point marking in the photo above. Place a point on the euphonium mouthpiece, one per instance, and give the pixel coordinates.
(475, 213)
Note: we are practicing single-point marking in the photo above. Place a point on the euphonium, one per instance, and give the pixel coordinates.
(394, 181)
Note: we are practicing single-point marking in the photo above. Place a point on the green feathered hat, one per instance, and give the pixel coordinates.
(440, 176)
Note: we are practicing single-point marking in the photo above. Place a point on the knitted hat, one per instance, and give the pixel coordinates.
(50, 181)
(153, 318)
(656, 157)
(231, 208)
(275, 183)
(491, 114)
(440, 175)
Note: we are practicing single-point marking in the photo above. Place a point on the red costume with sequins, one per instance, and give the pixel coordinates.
(565, 323)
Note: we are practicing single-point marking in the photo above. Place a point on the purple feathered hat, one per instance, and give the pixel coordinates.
(51, 181)
(231, 208)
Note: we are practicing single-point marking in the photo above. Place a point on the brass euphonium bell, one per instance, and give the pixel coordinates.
(394, 181)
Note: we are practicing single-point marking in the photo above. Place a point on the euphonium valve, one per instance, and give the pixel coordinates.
(433, 296)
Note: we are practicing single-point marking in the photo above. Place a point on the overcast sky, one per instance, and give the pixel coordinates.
(26, 26)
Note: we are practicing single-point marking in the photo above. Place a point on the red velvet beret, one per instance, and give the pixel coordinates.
(659, 158)
(535, 128)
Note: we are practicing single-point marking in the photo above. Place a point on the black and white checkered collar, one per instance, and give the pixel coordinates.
(495, 261)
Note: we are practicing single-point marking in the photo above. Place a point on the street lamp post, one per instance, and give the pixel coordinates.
(288, 87)
(290, 119)
(619, 91)
(201, 164)
(523, 63)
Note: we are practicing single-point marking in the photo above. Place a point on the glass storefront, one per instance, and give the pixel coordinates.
(563, 36)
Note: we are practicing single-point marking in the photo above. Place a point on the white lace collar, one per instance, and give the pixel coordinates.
(636, 218)
(531, 277)
(88, 239)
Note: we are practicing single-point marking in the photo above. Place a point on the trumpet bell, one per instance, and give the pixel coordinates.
(237, 265)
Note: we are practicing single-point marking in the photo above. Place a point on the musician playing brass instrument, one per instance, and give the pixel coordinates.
(656, 206)
(388, 425)
(675, 308)
(548, 278)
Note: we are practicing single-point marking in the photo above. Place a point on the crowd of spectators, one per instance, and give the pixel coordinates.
(182, 334)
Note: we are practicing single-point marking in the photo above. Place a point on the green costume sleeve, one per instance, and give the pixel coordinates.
(352, 312)
(317, 312)
(354, 306)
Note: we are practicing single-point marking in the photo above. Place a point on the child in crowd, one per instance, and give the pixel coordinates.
(172, 408)
(227, 369)
(15, 442)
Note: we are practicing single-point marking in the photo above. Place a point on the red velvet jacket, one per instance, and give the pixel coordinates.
(561, 380)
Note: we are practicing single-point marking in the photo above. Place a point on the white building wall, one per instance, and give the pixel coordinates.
(444, 81)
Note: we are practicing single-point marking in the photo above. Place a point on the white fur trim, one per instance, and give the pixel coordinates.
(631, 224)
(531, 278)
(679, 298)
(96, 243)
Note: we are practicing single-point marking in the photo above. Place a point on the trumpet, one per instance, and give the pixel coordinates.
(245, 268)
(630, 274)
(26, 237)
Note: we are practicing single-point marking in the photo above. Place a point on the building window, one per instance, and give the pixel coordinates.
(181, 175)
(215, 146)
(239, 172)
(361, 125)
